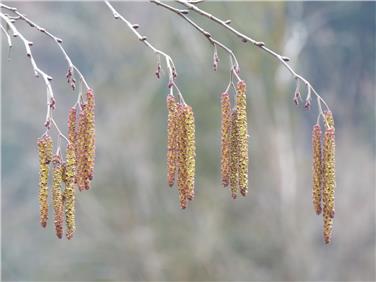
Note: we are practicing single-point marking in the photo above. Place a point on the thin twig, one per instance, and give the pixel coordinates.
(57, 40)
(208, 36)
(169, 62)
(244, 38)
(7, 35)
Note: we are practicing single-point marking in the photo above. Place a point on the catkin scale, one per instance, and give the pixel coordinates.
(45, 155)
(234, 155)
(69, 193)
(242, 127)
(316, 168)
(171, 139)
(57, 195)
(225, 138)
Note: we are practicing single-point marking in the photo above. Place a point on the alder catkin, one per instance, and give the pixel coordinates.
(69, 193)
(191, 152)
(57, 195)
(329, 182)
(241, 120)
(90, 135)
(234, 155)
(80, 148)
(317, 172)
(171, 139)
(225, 138)
(45, 155)
(182, 156)
(72, 125)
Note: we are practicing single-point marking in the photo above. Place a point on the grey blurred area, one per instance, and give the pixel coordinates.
(129, 225)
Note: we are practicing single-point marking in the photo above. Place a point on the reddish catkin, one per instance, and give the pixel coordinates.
(171, 139)
(234, 155)
(90, 135)
(191, 152)
(45, 154)
(69, 193)
(225, 138)
(329, 178)
(57, 195)
(316, 168)
(182, 156)
(241, 108)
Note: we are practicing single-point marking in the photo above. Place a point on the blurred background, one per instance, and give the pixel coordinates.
(129, 225)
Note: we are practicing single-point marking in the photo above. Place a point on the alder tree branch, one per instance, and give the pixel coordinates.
(7, 36)
(169, 62)
(182, 13)
(51, 102)
(283, 59)
(58, 41)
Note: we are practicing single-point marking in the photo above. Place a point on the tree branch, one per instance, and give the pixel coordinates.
(245, 39)
(208, 36)
(169, 62)
(58, 41)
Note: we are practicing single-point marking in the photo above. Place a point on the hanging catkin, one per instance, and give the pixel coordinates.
(316, 168)
(241, 120)
(45, 155)
(225, 138)
(234, 155)
(171, 139)
(57, 195)
(69, 194)
(329, 175)
(182, 156)
(191, 152)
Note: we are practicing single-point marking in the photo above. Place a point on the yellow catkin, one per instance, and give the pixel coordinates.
(225, 138)
(329, 120)
(80, 147)
(171, 139)
(72, 125)
(69, 194)
(191, 152)
(45, 155)
(316, 168)
(182, 156)
(57, 195)
(329, 182)
(234, 155)
(241, 108)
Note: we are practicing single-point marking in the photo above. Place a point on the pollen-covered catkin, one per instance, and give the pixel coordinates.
(317, 172)
(329, 181)
(80, 147)
(90, 135)
(191, 152)
(234, 155)
(241, 120)
(171, 139)
(72, 125)
(69, 194)
(57, 195)
(225, 138)
(45, 154)
(182, 156)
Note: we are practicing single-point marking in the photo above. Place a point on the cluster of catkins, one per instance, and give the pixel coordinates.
(77, 170)
(324, 173)
(181, 149)
(234, 141)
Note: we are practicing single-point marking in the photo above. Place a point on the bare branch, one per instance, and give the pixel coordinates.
(207, 35)
(7, 35)
(169, 62)
(245, 39)
(58, 41)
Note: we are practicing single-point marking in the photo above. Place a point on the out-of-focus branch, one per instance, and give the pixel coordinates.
(58, 41)
(245, 39)
(7, 35)
(208, 36)
(169, 62)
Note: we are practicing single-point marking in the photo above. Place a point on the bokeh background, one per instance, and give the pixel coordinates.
(129, 225)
